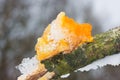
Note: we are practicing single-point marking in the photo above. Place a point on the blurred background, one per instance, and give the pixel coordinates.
(23, 21)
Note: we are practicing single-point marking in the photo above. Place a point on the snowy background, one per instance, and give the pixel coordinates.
(23, 21)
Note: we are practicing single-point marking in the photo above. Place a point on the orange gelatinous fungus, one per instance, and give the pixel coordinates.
(62, 35)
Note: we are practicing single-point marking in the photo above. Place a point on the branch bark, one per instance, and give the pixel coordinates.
(104, 44)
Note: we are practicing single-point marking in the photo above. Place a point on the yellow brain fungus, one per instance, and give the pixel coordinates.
(62, 35)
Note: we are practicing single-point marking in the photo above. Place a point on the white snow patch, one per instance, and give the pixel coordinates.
(108, 60)
(65, 76)
(56, 32)
(28, 65)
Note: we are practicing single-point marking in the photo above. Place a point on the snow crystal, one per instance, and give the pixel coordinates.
(56, 32)
(28, 65)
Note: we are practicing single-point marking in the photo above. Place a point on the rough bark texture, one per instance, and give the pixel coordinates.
(104, 44)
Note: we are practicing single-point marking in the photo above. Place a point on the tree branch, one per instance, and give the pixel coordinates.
(104, 44)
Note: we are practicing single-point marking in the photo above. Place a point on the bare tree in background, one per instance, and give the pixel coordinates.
(21, 22)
